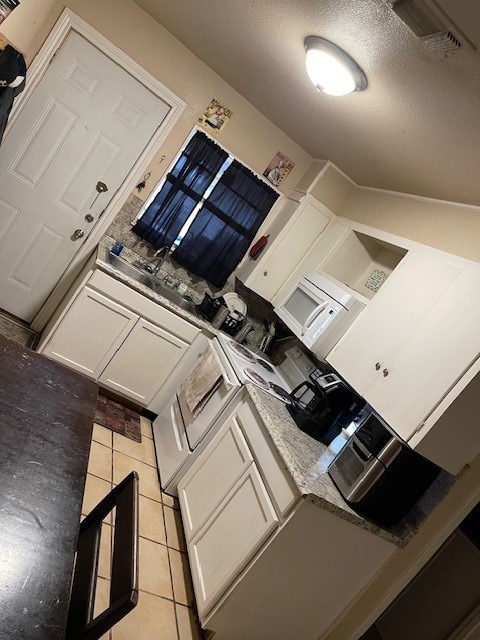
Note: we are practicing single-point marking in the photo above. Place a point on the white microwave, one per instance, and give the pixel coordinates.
(319, 310)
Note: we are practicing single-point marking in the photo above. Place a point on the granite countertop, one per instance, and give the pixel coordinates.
(307, 461)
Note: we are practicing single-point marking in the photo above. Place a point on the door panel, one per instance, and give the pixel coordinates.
(145, 360)
(91, 331)
(213, 475)
(390, 318)
(436, 355)
(230, 538)
(87, 121)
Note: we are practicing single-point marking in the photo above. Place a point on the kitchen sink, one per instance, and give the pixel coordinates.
(153, 283)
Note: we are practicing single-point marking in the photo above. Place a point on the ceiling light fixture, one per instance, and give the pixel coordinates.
(331, 69)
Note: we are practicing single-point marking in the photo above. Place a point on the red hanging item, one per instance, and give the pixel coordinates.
(258, 247)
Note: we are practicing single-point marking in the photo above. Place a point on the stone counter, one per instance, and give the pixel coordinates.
(307, 461)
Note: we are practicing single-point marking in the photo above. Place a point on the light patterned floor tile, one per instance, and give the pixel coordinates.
(155, 569)
(143, 451)
(105, 559)
(188, 628)
(152, 619)
(100, 461)
(95, 490)
(102, 598)
(151, 520)
(182, 584)
(102, 435)
(173, 525)
(146, 427)
(149, 484)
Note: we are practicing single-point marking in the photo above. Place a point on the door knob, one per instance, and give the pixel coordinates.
(377, 366)
(89, 217)
(385, 373)
(77, 234)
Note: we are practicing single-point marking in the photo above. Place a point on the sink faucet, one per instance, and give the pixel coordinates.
(160, 256)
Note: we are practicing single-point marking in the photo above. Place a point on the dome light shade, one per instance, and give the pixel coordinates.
(331, 69)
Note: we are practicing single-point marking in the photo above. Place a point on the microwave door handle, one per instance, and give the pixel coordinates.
(313, 316)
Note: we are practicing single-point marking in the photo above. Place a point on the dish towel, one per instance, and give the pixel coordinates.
(203, 381)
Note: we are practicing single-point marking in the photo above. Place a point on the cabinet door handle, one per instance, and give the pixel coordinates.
(377, 366)
(385, 373)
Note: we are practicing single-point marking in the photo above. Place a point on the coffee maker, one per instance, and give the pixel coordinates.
(324, 405)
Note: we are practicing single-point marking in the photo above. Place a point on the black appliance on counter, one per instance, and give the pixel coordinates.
(378, 475)
(323, 405)
(208, 309)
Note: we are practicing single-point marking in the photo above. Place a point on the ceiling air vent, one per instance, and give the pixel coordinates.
(425, 24)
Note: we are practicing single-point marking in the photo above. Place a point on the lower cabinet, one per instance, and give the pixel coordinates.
(106, 336)
(266, 563)
(145, 360)
(90, 333)
(227, 512)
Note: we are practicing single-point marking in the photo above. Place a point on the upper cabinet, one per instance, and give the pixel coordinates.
(413, 344)
(307, 223)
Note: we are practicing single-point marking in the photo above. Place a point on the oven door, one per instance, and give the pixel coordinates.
(197, 428)
(176, 437)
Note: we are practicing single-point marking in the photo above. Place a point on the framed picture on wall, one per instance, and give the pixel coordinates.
(215, 117)
(278, 168)
(6, 8)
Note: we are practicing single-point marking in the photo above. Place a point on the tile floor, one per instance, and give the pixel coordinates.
(166, 604)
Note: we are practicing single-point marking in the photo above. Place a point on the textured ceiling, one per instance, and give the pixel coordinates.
(416, 128)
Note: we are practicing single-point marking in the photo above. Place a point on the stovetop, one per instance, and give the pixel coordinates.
(249, 367)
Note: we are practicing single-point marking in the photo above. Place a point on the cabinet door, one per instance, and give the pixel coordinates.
(89, 334)
(390, 318)
(310, 221)
(437, 354)
(143, 363)
(213, 475)
(230, 538)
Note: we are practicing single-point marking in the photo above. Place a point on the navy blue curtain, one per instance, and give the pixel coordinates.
(226, 224)
(182, 191)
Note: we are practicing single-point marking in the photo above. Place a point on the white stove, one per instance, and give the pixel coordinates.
(249, 367)
(179, 438)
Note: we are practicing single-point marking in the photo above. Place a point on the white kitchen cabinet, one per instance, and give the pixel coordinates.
(266, 563)
(227, 458)
(414, 342)
(90, 333)
(120, 338)
(308, 222)
(230, 537)
(145, 360)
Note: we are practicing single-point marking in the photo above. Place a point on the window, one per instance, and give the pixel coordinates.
(208, 210)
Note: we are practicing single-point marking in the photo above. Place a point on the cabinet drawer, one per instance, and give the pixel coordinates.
(282, 489)
(213, 475)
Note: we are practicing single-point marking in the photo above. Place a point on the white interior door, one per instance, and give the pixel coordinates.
(86, 123)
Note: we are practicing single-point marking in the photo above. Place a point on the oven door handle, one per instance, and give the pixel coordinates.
(228, 383)
(313, 316)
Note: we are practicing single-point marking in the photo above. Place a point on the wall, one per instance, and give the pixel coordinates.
(249, 135)
(448, 226)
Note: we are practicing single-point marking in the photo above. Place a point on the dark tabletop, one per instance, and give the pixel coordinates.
(46, 418)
